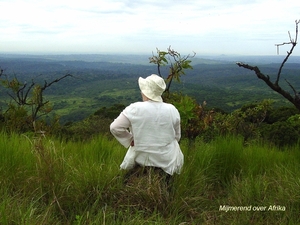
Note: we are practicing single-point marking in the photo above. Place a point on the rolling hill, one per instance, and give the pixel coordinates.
(103, 80)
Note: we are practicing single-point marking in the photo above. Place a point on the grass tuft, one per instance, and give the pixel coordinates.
(46, 181)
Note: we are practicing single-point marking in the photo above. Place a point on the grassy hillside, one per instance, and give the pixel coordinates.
(46, 181)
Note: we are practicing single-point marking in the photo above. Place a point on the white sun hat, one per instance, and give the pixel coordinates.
(152, 87)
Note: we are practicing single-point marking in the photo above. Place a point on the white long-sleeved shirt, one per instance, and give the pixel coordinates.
(155, 129)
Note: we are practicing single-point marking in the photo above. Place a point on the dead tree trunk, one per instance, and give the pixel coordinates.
(295, 98)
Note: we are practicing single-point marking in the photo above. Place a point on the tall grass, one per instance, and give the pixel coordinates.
(46, 181)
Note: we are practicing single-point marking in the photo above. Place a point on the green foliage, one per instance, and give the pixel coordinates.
(92, 126)
(16, 119)
(281, 133)
(112, 86)
(110, 112)
(97, 84)
(294, 120)
(281, 127)
(255, 113)
(255, 122)
(280, 114)
(197, 121)
(13, 84)
(26, 105)
(244, 121)
(194, 117)
(186, 107)
(45, 181)
(177, 64)
(86, 129)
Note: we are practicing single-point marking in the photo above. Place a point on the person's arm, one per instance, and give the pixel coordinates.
(177, 125)
(177, 130)
(119, 128)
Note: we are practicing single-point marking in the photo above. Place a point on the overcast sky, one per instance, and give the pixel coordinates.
(251, 27)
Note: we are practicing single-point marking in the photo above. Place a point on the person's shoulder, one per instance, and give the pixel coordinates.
(171, 108)
(169, 105)
(135, 105)
(132, 107)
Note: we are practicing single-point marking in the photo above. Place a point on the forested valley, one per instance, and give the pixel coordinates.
(60, 164)
(104, 80)
(217, 96)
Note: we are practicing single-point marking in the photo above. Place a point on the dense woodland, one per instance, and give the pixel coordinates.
(102, 85)
(221, 83)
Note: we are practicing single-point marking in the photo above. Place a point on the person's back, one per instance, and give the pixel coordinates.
(154, 124)
(154, 130)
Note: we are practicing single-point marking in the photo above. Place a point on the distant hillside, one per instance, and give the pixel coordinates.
(144, 59)
(103, 80)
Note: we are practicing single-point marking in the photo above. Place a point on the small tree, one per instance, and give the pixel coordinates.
(295, 98)
(28, 103)
(177, 64)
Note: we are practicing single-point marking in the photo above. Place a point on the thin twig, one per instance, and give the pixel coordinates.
(294, 43)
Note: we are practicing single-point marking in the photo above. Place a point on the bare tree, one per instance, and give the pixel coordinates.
(293, 98)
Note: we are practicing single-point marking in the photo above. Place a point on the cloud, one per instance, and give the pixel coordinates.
(142, 25)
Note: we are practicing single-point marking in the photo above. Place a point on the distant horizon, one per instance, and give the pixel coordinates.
(139, 54)
(143, 58)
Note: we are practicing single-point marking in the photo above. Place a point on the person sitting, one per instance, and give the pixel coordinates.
(151, 129)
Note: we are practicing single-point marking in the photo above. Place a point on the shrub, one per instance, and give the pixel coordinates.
(280, 133)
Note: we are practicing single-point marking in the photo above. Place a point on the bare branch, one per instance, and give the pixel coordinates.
(46, 85)
(10, 95)
(259, 74)
(266, 79)
(38, 105)
(28, 90)
(293, 43)
(291, 86)
(295, 100)
(36, 110)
